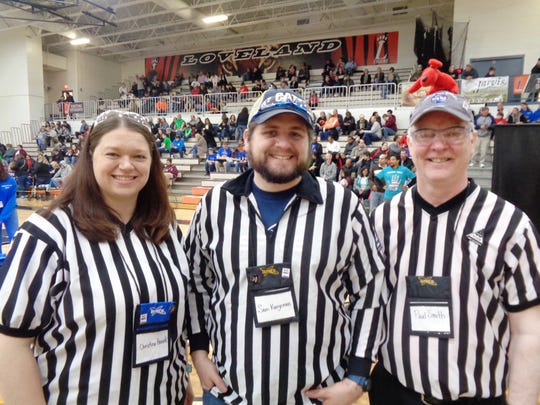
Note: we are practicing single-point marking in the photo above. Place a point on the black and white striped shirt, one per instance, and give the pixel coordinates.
(491, 251)
(326, 237)
(78, 300)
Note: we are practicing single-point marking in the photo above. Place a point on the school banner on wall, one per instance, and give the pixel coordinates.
(485, 89)
(365, 50)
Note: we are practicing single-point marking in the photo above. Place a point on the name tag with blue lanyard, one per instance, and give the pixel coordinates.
(152, 332)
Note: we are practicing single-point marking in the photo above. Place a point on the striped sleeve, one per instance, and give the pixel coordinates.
(367, 293)
(522, 280)
(32, 278)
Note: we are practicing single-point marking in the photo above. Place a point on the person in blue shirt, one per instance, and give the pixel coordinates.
(396, 178)
(8, 202)
(224, 156)
(178, 145)
(210, 164)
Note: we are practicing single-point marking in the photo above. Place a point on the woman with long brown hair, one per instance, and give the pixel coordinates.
(97, 282)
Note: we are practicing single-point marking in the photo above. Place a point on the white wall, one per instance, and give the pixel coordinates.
(97, 76)
(129, 70)
(21, 99)
(501, 28)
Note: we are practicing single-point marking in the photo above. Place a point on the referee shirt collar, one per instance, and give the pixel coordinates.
(308, 188)
(455, 201)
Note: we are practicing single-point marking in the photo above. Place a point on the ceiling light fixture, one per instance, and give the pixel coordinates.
(79, 41)
(215, 19)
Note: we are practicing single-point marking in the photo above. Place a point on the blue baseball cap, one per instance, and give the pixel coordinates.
(278, 101)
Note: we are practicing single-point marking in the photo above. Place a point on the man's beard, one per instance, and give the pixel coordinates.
(279, 178)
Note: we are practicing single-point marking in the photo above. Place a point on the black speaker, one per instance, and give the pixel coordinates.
(516, 167)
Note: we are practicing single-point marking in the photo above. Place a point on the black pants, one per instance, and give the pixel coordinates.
(387, 390)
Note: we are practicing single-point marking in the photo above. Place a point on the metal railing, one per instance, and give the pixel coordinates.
(214, 103)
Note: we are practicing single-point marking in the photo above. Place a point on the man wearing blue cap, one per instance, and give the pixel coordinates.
(286, 276)
(463, 321)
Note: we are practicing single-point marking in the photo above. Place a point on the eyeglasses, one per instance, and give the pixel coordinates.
(451, 136)
(139, 119)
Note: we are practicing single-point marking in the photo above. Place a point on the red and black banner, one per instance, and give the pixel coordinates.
(365, 50)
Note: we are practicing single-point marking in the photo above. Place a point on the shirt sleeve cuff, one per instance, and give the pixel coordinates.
(199, 341)
(359, 366)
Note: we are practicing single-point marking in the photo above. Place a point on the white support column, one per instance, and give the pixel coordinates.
(21, 98)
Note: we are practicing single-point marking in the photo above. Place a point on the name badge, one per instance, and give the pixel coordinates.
(430, 317)
(430, 306)
(271, 293)
(152, 332)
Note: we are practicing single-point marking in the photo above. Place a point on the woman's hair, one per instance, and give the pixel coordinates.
(98, 222)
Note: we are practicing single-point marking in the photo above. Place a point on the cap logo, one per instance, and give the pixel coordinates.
(439, 99)
(282, 97)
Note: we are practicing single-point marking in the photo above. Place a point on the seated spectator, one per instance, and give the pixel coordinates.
(516, 117)
(365, 78)
(362, 123)
(19, 168)
(349, 146)
(232, 126)
(224, 156)
(178, 146)
(200, 148)
(499, 119)
(166, 143)
(210, 164)
(238, 160)
(328, 169)
(72, 155)
(526, 111)
(452, 71)
(390, 127)
(405, 160)
(359, 150)
(316, 162)
(62, 172)
(293, 83)
(491, 72)
(536, 116)
(347, 174)
(364, 161)
(362, 184)
(332, 126)
(378, 77)
(332, 146)
(83, 130)
(416, 73)
(170, 171)
(392, 81)
(319, 123)
(41, 171)
(374, 133)
(209, 133)
(350, 67)
(243, 90)
(349, 83)
(224, 130)
(469, 72)
(303, 74)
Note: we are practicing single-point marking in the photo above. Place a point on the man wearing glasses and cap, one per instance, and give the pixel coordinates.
(463, 320)
(286, 276)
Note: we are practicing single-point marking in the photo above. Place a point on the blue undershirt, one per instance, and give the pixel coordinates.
(271, 205)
